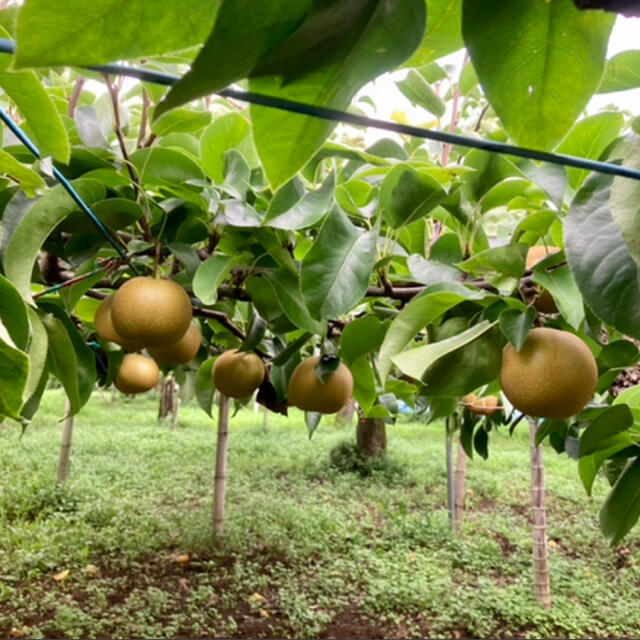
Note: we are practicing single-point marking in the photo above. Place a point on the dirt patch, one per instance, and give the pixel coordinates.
(505, 544)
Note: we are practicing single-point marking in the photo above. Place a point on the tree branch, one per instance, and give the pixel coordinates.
(75, 96)
(144, 116)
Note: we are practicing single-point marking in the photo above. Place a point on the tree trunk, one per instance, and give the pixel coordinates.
(345, 415)
(221, 467)
(450, 479)
(176, 412)
(167, 388)
(461, 470)
(541, 584)
(65, 445)
(371, 436)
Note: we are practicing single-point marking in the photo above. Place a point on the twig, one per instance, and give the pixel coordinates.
(481, 116)
(113, 92)
(144, 116)
(75, 96)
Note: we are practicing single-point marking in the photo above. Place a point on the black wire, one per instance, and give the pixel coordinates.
(326, 113)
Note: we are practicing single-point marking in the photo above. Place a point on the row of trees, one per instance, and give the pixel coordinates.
(406, 258)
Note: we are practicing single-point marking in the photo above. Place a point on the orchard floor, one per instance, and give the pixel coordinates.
(309, 552)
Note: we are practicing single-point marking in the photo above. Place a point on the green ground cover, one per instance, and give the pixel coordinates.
(309, 551)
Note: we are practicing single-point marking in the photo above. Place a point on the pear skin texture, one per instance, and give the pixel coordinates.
(237, 374)
(102, 321)
(537, 253)
(153, 313)
(182, 351)
(485, 406)
(105, 328)
(554, 375)
(137, 374)
(544, 302)
(308, 393)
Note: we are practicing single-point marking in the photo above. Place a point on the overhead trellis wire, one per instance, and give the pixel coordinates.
(326, 113)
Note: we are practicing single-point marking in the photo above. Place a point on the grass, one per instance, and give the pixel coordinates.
(309, 551)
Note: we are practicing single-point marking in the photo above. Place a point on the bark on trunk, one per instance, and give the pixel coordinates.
(65, 445)
(461, 471)
(220, 486)
(167, 388)
(541, 584)
(371, 436)
(345, 415)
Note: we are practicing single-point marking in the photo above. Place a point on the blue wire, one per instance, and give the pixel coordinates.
(22, 136)
(325, 113)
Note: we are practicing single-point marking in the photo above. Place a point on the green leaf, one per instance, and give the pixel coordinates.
(74, 32)
(466, 368)
(43, 119)
(209, 277)
(184, 120)
(13, 314)
(420, 312)
(515, 325)
(625, 205)
(335, 272)
(37, 353)
(406, 195)
(588, 466)
(364, 387)
(243, 32)
(285, 141)
(286, 292)
(539, 63)
(160, 167)
(443, 35)
(416, 362)
(431, 272)
(621, 509)
(62, 360)
(30, 233)
(115, 213)
(255, 334)
(360, 337)
(229, 131)
(294, 208)
(204, 386)
(419, 92)
(588, 139)
(604, 271)
(187, 255)
(508, 260)
(621, 72)
(29, 180)
(564, 290)
(312, 420)
(481, 443)
(85, 365)
(14, 370)
(607, 425)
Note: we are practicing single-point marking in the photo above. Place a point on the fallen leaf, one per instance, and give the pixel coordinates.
(183, 559)
(19, 633)
(184, 584)
(552, 544)
(256, 597)
(264, 613)
(59, 577)
(92, 570)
